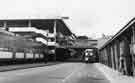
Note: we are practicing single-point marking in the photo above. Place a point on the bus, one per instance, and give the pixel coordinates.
(90, 55)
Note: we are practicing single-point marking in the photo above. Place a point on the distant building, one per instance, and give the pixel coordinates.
(49, 31)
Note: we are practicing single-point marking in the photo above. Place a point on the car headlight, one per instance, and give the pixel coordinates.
(91, 54)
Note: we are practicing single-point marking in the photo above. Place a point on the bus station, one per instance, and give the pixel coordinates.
(67, 41)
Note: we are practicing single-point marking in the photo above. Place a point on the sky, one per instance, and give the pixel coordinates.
(86, 17)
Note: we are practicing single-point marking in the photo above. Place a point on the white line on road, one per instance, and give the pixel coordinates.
(73, 73)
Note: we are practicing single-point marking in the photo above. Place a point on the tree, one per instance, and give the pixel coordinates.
(107, 36)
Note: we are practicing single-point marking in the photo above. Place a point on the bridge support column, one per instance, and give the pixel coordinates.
(5, 26)
(127, 56)
(116, 52)
(109, 56)
(112, 57)
(132, 46)
(117, 48)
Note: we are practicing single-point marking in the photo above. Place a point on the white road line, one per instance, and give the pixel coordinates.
(72, 73)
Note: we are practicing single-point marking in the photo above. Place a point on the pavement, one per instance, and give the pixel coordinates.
(65, 73)
(25, 66)
(59, 73)
(114, 76)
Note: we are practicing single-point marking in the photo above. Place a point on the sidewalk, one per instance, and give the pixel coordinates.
(113, 75)
(25, 66)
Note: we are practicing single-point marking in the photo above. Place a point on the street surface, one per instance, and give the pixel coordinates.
(25, 66)
(60, 73)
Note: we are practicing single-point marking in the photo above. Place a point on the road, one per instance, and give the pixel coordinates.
(60, 73)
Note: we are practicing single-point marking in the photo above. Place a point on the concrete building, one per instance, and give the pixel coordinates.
(49, 31)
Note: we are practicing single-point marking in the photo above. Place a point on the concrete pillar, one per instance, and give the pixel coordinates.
(25, 55)
(112, 57)
(29, 23)
(132, 48)
(100, 55)
(106, 58)
(116, 58)
(14, 53)
(109, 56)
(118, 53)
(5, 26)
(122, 57)
(54, 32)
(128, 58)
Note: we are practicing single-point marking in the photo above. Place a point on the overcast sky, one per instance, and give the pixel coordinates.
(87, 17)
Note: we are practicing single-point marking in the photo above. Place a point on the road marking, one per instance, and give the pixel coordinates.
(14, 75)
(72, 73)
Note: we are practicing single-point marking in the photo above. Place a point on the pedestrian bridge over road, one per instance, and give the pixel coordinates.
(73, 48)
(78, 44)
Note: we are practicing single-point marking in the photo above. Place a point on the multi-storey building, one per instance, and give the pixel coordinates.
(49, 31)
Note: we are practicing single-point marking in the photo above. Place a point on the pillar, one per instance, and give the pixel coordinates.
(128, 59)
(54, 32)
(118, 53)
(116, 50)
(109, 56)
(5, 26)
(133, 49)
(112, 57)
(29, 23)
